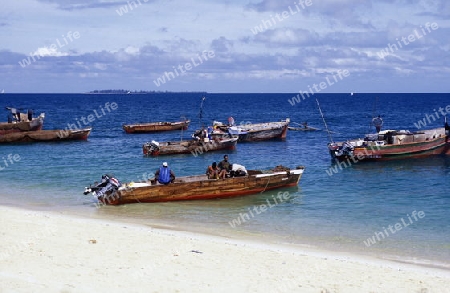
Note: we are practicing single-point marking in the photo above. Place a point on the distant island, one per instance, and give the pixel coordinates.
(137, 92)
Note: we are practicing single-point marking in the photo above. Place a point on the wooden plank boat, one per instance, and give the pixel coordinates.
(200, 187)
(25, 124)
(195, 147)
(392, 144)
(307, 128)
(302, 127)
(156, 126)
(45, 135)
(253, 131)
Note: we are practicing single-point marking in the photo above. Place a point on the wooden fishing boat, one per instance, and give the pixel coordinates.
(307, 128)
(253, 131)
(156, 126)
(45, 135)
(392, 144)
(302, 127)
(193, 146)
(26, 122)
(200, 187)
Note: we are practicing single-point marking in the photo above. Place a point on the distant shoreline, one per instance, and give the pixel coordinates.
(138, 92)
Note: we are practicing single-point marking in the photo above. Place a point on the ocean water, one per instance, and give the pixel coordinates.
(402, 205)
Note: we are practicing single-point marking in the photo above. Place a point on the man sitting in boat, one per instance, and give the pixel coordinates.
(225, 167)
(107, 186)
(213, 171)
(164, 174)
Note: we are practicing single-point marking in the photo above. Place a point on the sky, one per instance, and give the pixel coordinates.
(254, 46)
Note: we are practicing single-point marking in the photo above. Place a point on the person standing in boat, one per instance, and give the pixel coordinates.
(164, 174)
(377, 122)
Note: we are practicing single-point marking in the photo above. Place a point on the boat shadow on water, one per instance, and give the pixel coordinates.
(207, 215)
(428, 163)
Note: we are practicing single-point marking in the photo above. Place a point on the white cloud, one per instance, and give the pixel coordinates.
(46, 51)
(159, 35)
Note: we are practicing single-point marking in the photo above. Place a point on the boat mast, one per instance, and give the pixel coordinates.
(326, 127)
(200, 114)
(374, 109)
(182, 128)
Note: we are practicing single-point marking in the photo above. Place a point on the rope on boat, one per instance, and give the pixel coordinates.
(265, 187)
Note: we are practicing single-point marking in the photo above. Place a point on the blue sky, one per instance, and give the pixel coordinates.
(225, 46)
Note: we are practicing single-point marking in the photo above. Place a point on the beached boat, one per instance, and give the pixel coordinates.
(392, 144)
(19, 122)
(200, 187)
(156, 126)
(252, 131)
(193, 146)
(45, 135)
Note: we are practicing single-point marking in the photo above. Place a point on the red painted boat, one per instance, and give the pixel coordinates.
(200, 187)
(45, 135)
(392, 144)
(156, 126)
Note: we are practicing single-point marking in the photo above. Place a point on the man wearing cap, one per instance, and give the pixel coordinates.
(164, 174)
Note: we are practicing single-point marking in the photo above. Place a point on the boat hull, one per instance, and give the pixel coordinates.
(156, 127)
(199, 187)
(45, 135)
(194, 147)
(278, 131)
(256, 132)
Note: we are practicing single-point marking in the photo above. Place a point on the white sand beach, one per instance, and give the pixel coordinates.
(54, 252)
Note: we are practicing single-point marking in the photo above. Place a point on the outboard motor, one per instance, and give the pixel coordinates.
(345, 150)
(153, 146)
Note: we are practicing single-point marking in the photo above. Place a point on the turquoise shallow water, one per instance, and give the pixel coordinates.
(337, 212)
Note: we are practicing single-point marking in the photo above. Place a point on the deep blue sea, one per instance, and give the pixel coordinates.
(338, 212)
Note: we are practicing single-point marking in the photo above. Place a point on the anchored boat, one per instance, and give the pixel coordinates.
(393, 144)
(156, 126)
(192, 146)
(45, 135)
